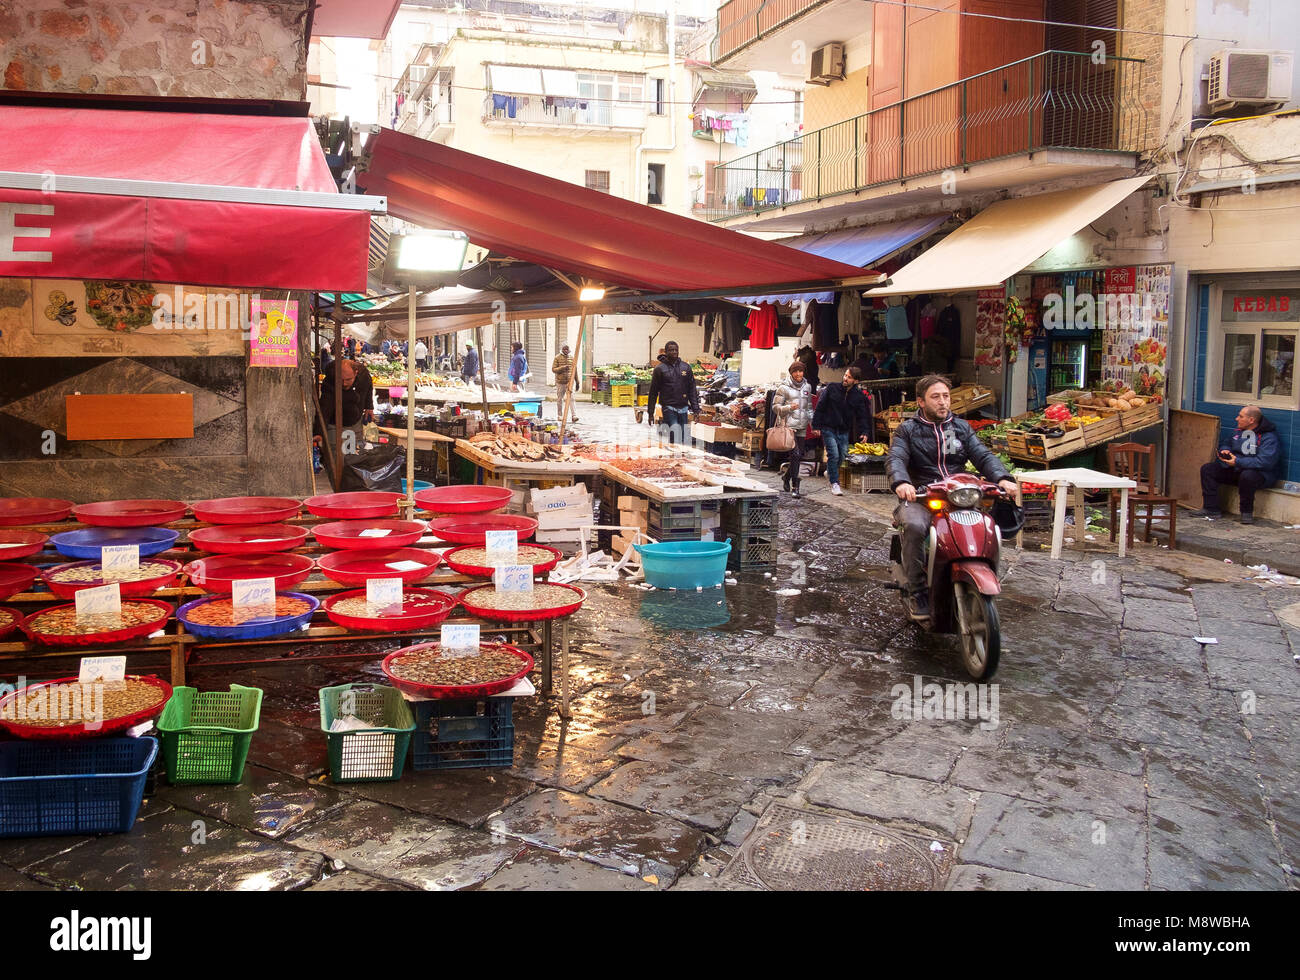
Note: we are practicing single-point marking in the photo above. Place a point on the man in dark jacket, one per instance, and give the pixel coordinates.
(469, 369)
(1248, 459)
(841, 414)
(672, 385)
(358, 404)
(930, 447)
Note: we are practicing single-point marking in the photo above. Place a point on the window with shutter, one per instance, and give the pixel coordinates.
(598, 180)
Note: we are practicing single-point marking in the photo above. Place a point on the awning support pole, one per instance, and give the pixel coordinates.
(482, 375)
(338, 406)
(409, 503)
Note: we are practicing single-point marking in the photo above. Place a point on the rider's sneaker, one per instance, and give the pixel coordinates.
(921, 604)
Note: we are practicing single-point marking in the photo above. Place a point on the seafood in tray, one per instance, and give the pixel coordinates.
(66, 708)
(426, 670)
(60, 625)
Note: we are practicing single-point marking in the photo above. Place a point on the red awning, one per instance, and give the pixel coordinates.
(553, 223)
(189, 198)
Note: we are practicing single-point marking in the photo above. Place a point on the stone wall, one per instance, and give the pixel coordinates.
(187, 48)
(1146, 15)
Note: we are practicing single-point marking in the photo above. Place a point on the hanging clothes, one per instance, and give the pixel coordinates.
(928, 321)
(896, 327)
(826, 331)
(733, 330)
(709, 320)
(850, 314)
(949, 328)
(762, 327)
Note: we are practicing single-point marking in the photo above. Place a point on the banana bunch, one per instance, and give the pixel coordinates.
(869, 449)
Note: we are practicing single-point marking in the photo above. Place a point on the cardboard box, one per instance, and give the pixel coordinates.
(633, 503)
(569, 517)
(717, 433)
(562, 536)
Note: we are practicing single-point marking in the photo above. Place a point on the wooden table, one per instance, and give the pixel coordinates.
(1076, 480)
(425, 441)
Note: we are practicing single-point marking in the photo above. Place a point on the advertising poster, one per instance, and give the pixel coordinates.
(274, 333)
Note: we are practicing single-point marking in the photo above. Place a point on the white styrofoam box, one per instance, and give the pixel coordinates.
(570, 517)
(557, 497)
(557, 506)
(561, 536)
(706, 535)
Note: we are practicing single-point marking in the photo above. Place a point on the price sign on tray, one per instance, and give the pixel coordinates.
(119, 561)
(376, 532)
(382, 594)
(502, 547)
(252, 598)
(105, 600)
(106, 669)
(513, 578)
(459, 638)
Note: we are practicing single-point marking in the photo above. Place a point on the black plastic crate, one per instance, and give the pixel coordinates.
(752, 551)
(753, 515)
(472, 734)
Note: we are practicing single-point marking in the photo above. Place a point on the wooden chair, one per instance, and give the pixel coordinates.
(1135, 462)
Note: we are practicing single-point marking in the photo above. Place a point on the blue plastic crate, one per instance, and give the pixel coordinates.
(455, 734)
(90, 787)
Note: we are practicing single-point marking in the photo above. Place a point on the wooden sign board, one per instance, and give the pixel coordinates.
(93, 417)
(1193, 440)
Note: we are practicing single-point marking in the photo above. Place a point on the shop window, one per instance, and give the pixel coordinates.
(1253, 334)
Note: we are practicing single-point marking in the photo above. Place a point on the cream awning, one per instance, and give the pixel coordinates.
(1004, 238)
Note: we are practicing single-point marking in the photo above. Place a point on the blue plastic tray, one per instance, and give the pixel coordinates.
(88, 787)
(252, 630)
(88, 542)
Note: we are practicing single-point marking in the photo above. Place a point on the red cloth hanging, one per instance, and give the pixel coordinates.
(762, 327)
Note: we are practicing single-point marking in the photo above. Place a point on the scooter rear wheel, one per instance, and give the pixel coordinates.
(981, 634)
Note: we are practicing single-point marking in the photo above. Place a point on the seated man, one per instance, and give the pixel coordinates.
(930, 447)
(1248, 458)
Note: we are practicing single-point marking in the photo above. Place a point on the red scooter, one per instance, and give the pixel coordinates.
(961, 568)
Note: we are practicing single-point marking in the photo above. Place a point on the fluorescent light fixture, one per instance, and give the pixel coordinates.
(433, 252)
(591, 294)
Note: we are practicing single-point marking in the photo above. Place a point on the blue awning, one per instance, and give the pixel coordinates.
(853, 246)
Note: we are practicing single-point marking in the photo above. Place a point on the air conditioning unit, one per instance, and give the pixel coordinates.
(827, 64)
(1249, 78)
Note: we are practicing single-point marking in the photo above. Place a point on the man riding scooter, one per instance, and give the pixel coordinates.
(932, 446)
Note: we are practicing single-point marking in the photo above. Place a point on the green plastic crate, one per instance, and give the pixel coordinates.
(206, 734)
(368, 754)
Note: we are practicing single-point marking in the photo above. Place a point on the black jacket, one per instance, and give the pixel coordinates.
(924, 453)
(673, 386)
(843, 410)
(357, 400)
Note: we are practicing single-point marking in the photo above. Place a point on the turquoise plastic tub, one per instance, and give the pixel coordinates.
(534, 407)
(419, 485)
(684, 564)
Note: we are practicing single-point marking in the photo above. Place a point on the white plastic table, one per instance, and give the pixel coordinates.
(1077, 479)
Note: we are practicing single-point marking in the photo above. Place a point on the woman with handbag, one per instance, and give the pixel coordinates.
(792, 406)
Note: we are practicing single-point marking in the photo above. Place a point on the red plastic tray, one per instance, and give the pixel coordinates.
(95, 639)
(358, 567)
(462, 499)
(430, 609)
(33, 510)
(248, 539)
(130, 513)
(346, 535)
(246, 510)
(83, 731)
(21, 544)
(464, 690)
(521, 615)
(144, 587)
(473, 529)
(218, 573)
(486, 571)
(9, 622)
(358, 505)
(15, 578)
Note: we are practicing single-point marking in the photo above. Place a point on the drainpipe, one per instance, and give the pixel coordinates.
(638, 175)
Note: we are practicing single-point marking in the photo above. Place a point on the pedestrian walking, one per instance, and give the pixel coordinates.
(562, 368)
(518, 365)
(421, 355)
(792, 406)
(841, 414)
(672, 385)
(469, 369)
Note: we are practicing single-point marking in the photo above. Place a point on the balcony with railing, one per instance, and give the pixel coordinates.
(1056, 100)
(742, 22)
(556, 112)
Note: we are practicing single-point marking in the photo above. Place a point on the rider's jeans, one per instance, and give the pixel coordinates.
(914, 518)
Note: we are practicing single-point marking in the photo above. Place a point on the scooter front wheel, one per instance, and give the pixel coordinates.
(981, 634)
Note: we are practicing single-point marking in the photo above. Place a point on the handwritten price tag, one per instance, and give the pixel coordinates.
(502, 547)
(460, 637)
(513, 578)
(252, 598)
(106, 669)
(106, 600)
(119, 561)
(376, 532)
(383, 593)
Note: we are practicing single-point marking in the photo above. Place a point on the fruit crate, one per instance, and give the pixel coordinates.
(864, 477)
(752, 551)
(454, 734)
(206, 735)
(751, 515)
(94, 786)
(623, 396)
(369, 754)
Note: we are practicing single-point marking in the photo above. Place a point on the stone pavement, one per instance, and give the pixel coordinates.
(1116, 752)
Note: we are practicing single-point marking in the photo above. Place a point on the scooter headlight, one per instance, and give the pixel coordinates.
(964, 496)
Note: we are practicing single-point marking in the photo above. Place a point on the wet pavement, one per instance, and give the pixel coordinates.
(738, 739)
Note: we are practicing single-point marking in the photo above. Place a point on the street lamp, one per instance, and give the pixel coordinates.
(429, 260)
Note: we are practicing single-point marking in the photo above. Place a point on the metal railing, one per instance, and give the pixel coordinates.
(545, 110)
(1052, 100)
(741, 22)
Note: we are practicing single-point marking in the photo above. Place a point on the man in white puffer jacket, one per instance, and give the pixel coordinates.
(792, 406)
